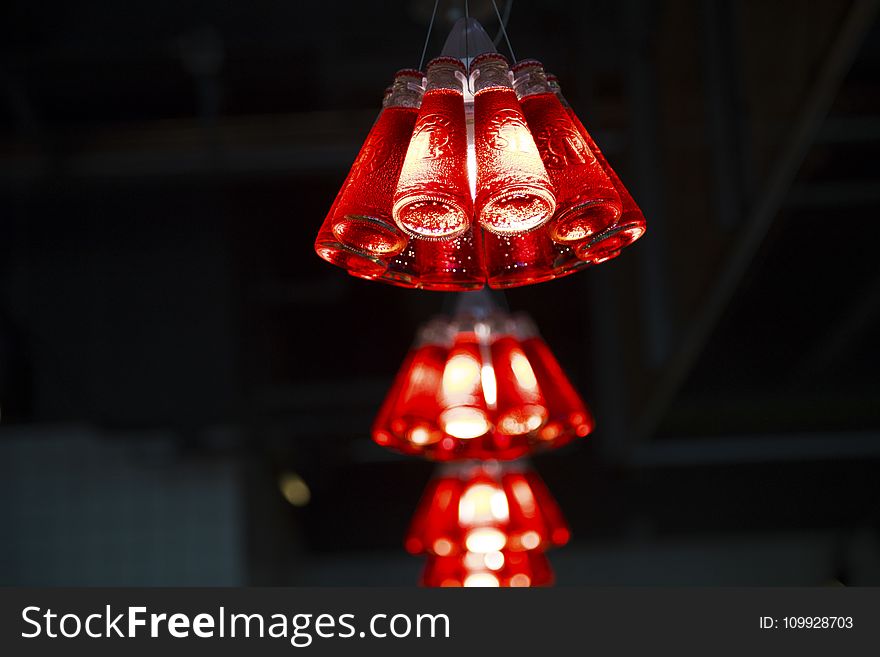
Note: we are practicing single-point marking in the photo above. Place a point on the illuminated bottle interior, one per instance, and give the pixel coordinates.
(433, 200)
(513, 191)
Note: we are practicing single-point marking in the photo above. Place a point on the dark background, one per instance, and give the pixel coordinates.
(171, 348)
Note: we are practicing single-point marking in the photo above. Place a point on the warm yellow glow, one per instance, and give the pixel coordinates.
(442, 547)
(422, 436)
(524, 497)
(472, 167)
(520, 580)
(419, 436)
(461, 378)
(494, 560)
(464, 422)
(421, 379)
(473, 561)
(490, 386)
(530, 540)
(485, 539)
(294, 489)
(481, 504)
(481, 580)
(522, 370)
(525, 420)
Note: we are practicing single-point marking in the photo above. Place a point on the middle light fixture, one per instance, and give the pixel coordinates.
(480, 385)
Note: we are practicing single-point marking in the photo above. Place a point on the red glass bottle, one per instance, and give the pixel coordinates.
(432, 200)
(401, 270)
(568, 415)
(536, 521)
(464, 412)
(363, 219)
(559, 533)
(520, 407)
(514, 193)
(631, 225)
(451, 265)
(356, 261)
(434, 528)
(586, 201)
(409, 418)
(514, 260)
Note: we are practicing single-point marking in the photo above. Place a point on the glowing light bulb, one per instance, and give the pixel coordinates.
(494, 560)
(461, 393)
(486, 580)
(464, 423)
(490, 387)
(485, 539)
(483, 503)
(522, 370)
(460, 377)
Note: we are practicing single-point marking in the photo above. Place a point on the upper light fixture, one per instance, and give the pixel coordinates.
(477, 173)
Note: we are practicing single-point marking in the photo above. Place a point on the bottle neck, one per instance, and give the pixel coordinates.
(442, 74)
(490, 72)
(530, 80)
(406, 91)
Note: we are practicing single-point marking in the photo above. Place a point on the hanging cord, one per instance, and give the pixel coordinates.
(467, 29)
(428, 35)
(505, 18)
(504, 29)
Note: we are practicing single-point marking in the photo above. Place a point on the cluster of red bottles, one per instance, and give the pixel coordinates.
(528, 198)
(486, 524)
(480, 388)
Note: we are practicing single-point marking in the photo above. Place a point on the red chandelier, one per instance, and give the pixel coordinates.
(480, 386)
(476, 174)
(486, 524)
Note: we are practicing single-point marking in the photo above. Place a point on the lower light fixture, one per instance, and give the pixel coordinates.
(486, 524)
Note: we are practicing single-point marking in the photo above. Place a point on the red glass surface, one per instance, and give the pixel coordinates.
(559, 532)
(628, 229)
(464, 414)
(486, 509)
(514, 260)
(409, 417)
(520, 407)
(492, 395)
(631, 225)
(451, 265)
(432, 200)
(353, 259)
(568, 416)
(507, 569)
(586, 201)
(434, 528)
(536, 522)
(363, 218)
(514, 193)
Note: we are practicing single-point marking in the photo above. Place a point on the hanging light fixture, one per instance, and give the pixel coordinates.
(477, 174)
(486, 524)
(482, 384)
